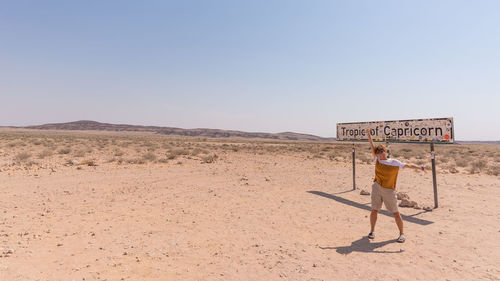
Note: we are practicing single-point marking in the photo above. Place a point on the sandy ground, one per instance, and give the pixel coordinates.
(246, 216)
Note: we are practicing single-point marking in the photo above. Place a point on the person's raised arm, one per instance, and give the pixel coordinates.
(368, 132)
(414, 167)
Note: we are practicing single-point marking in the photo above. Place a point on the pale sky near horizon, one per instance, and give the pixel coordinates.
(266, 66)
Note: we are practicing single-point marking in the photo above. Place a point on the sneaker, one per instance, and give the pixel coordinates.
(371, 235)
(401, 239)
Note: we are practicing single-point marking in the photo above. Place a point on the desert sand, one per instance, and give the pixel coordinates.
(125, 206)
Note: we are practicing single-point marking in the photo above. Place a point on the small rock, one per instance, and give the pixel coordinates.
(364, 192)
(407, 203)
(453, 170)
(428, 209)
(402, 195)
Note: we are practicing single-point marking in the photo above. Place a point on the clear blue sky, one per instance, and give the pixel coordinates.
(268, 66)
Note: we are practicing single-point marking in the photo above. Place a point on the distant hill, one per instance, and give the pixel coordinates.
(478, 142)
(86, 125)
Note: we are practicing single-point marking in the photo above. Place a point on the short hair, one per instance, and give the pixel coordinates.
(380, 148)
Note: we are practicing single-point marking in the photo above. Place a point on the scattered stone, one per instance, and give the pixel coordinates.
(407, 203)
(453, 170)
(6, 254)
(428, 209)
(364, 192)
(402, 195)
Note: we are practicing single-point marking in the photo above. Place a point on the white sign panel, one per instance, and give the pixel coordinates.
(439, 130)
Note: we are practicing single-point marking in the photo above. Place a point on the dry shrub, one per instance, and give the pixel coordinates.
(136, 161)
(461, 162)
(493, 170)
(45, 153)
(66, 150)
(274, 149)
(150, 146)
(332, 156)
(126, 143)
(452, 169)
(364, 158)
(22, 157)
(327, 148)
(195, 152)
(209, 158)
(89, 162)
(477, 166)
(317, 156)
(118, 152)
(149, 156)
(80, 153)
(177, 152)
(11, 144)
(442, 160)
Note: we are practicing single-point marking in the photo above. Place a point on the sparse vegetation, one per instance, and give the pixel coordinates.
(477, 166)
(80, 153)
(89, 162)
(22, 157)
(462, 162)
(144, 149)
(149, 156)
(66, 150)
(209, 158)
(45, 153)
(493, 170)
(118, 152)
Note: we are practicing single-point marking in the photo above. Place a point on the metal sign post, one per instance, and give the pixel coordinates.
(353, 166)
(434, 181)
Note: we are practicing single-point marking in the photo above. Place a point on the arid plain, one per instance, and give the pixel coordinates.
(139, 206)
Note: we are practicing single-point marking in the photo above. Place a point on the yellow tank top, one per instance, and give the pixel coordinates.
(386, 175)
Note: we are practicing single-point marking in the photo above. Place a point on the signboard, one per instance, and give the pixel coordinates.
(435, 130)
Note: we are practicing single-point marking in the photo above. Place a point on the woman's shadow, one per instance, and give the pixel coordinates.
(363, 245)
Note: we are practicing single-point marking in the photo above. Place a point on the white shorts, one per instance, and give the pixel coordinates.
(386, 195)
